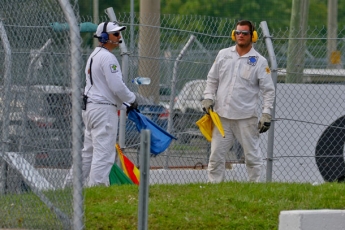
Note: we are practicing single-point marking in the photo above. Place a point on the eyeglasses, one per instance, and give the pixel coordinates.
(116, 34)
(244, 32)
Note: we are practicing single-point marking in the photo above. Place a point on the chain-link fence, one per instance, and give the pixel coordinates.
(37, 147)
(305, 108)
(40, 131)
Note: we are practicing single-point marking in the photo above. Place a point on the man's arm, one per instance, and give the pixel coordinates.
(268, 93)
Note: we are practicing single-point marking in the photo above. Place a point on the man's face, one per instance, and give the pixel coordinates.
(243, 40)
(115, 37)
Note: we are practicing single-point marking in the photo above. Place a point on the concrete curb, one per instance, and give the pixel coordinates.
(312, 219)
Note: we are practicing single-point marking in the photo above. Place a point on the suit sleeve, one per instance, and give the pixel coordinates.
(267, 88)
(113, 75)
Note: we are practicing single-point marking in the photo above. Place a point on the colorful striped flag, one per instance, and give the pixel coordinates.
(128, 167)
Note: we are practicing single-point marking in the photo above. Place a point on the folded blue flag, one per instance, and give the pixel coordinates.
(160, 139)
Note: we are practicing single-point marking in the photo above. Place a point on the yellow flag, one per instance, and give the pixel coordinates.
(216, 121)
(205, 125)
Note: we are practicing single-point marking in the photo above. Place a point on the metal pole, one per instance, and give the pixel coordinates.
(149, 47)
(173, 91)
(143, 207)
(78, 202)
(272, 56)
(124, 68)
(6, 105)
(333, 55)
(131, 43)
(29, 74)
(95, 18)
(174, 79)
(296, 48)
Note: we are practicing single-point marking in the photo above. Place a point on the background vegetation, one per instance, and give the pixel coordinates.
(276, 12)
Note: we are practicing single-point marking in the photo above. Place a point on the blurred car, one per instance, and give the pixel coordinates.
(155, 112)
(39, 124)
(187, 110)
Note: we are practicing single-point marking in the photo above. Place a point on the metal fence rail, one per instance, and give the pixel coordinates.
(39, 114)
(39, 110)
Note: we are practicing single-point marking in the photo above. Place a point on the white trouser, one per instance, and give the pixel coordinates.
(100, 135)
(246, 132)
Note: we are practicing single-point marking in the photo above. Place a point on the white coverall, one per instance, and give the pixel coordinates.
(105, 97)
(234, 83)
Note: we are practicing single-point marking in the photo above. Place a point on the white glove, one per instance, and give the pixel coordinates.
(207, 104)
(264, 123)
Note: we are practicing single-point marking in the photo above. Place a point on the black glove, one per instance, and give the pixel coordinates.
(133, 105)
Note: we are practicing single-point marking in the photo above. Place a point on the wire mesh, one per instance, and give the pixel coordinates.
(304, 109)
(37, 123)
(36, 116)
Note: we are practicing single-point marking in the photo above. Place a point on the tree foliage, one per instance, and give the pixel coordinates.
(277, 13)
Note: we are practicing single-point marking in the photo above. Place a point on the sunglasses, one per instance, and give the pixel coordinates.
(244, 32)
(116, 34)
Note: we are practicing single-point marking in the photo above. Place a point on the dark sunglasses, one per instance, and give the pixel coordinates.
(116, 34)
(244, 32)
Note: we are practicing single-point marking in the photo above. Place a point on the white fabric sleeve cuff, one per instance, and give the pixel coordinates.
(267, 110)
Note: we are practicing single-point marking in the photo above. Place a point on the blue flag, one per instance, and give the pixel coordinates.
(160, 139)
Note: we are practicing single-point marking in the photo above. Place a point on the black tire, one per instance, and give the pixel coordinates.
(330, 152)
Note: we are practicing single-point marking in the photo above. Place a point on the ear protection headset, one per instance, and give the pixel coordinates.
(104, 35)
(253, 32)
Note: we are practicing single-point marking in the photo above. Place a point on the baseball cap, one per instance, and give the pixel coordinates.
(111, 27)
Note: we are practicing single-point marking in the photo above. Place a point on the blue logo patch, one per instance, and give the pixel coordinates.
(252, 60)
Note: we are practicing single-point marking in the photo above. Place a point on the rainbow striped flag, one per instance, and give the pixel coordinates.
(128, 167)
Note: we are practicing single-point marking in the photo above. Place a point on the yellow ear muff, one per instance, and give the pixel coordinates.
(254, 37)
(233, 35)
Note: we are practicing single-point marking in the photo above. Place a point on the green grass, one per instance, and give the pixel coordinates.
(231, 205)
(27, 211)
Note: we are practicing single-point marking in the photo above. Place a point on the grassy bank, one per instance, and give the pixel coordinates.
(229, 205)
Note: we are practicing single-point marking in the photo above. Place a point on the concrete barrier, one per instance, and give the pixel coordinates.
(312, 219)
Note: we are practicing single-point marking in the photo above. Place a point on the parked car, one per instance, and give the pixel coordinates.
(39, 123)
(187, 110)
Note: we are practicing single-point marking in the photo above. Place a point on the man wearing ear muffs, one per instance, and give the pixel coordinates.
(234, 82)
(104, 95)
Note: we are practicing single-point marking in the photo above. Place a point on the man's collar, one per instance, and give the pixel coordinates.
(250, 53)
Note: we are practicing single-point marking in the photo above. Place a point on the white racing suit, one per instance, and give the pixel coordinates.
(106, 94)
(246, 132)
(234, 83)
(100, 121)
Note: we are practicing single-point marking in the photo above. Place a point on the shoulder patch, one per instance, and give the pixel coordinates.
(267, 69)
(113, 68)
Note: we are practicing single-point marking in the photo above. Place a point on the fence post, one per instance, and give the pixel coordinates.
(272, 56)
(143, 206)
(173, 90)
(6, 106)
(78, 202)
(124, 68)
